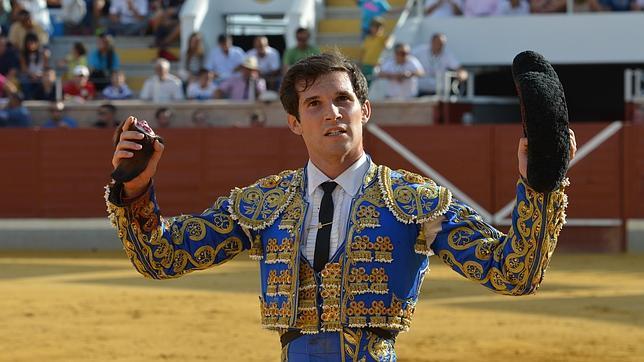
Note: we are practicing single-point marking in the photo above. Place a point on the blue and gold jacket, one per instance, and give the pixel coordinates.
(375, 277)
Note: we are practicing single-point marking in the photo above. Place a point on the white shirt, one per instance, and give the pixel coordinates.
(408, 87)
(126, 16)
(222, 64)
(349, 183)
(269, 63)
(158, 90)
(195, 91)
(444, 10)
(435, 66)
(507, 9)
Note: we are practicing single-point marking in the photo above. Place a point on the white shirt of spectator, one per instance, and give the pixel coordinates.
(158, 90)
(269, 63)
(349, 183)
(126, 16)
(507, 9)
(444, 10)
(195, 91)
(435, 66)
(222, 64)
(481, 7)
(406, 88)
(39, 12)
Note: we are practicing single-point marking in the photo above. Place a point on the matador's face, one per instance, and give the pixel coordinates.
(331, 119)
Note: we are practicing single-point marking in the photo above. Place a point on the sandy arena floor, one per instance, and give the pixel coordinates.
(95, 307)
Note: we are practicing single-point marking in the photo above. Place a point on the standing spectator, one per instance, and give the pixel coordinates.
(612, 5)
(19, 30)
(117, 89)
(15, 114)
(106, 116)
(46, 90)
(33, 61)
(193, 60)
(301, 50)
(401, 72)
(203, 87)
(58, 118)
(103, 61)
(547, 6)
(268, 60)
(478, 8)
(79, 88)
(224, 59)
(78, 56)
(514, 7)
(163, 86)
(246, 86)
(199, 119)
(163, 117)
(372, 46)
(128, 17)
(9, 58)
(436, 60)
(443, 8)
(371, 9)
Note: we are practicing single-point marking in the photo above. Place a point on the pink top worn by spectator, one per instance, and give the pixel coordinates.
(481, 7)
(239, 88)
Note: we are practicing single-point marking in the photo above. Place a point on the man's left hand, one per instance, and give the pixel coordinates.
(522, 153)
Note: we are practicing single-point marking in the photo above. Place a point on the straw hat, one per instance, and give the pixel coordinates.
(250, 63)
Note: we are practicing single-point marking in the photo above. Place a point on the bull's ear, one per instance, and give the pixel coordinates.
(544, 115)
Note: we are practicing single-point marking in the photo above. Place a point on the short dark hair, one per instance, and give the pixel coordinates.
(301, 30)
(308, 70)
(161, 110)
(110, 107)
(222, 38)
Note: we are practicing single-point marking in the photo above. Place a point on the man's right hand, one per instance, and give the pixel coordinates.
(125, 148)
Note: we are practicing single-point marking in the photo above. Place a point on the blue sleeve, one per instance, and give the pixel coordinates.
(511, 264)
(162, 249)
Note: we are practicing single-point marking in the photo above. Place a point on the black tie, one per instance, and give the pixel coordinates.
(323, 238)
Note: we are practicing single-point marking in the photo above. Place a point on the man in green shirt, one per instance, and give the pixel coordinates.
(302, 50)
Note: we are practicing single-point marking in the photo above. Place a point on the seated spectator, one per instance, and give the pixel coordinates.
(257, 120)
(19, 30)
(301, 50)
(38, 10)
(612, 5)
(58, 118)
(478, 8)
(78, 56)
(514, 7)
(103, 61)
(106, 116)
(193, 60)
(200, 119)
(46, 90)
(268, 60)
(15, 114)
(548, 6)
(79, 88)
(436, 60)
(6, 87)
(372, 46)
(163, 86)
(128, 17)
(203, 87)
(163, 117)
(245, 86)
(371, 9)
(443, 8)
(9, 58)
(118, 89)
(401, 72)
(33, 61)
(224, 59)
(165, 24)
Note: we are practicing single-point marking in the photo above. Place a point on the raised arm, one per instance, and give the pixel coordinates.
(161, 248)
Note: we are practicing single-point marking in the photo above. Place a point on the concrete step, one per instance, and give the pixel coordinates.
(347, 26)
(355, 13)
(352, 52)
(349, 39)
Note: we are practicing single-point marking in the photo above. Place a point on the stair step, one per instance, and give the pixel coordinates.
(355, 13)
(141, 55)
(348, 26)
(351, 52)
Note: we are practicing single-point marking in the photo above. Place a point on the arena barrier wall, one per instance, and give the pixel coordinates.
(61, 173)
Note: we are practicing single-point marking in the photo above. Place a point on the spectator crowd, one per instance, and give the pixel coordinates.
(28, 72)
